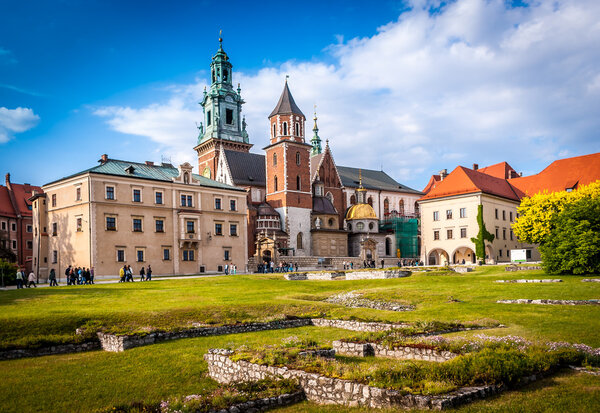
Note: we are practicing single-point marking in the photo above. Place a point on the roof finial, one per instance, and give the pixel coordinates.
(286, 78)
(360, 178)
(220, 38)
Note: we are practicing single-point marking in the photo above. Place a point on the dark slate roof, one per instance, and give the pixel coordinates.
(371, 179)
(246, 168)
(164, 172)
(286, 104)
(322, 205)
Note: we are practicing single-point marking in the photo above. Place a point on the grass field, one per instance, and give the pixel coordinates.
(94, 380)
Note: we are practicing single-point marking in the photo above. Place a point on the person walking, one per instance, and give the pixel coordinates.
(52, 278)
(92, 275)
(31, 280)
(142, 273)
(130, 273)
(122, 274)
(19, 279)
(149, 273)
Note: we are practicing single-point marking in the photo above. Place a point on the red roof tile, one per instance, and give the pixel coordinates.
(433, 181)
(6, 208)
(500, 170)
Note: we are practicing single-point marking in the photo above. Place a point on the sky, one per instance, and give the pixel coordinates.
(410, 87)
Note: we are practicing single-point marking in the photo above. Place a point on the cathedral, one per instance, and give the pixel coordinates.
(300, 203)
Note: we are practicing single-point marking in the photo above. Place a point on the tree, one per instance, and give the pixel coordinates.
(482, 236)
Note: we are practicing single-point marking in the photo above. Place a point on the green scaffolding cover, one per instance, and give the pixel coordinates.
(406, 232)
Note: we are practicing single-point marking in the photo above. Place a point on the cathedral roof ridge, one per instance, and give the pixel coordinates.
(286, 104)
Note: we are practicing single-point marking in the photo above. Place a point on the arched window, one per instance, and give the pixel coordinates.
(401, 208)
(352, 199)
(299, 241)
(298, 182)
(274, 159)
(331, 222)
(416, 207)
(371, 226)
(386, 206)
(274, 130)
(370, 201)
(285, 128)
(225, 75)
(297, 158)
(297, 129)
(329, 196)
(275, 184)
(388, 247)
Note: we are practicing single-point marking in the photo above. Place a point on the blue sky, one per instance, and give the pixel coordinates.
(414, 86)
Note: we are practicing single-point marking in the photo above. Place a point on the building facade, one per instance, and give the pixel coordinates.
(139, 214)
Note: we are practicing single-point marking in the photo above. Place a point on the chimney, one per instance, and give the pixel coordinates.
(7, 180)
(443, 174)
(103, 159)
(520, 173)
(475, 166)
(149, 163)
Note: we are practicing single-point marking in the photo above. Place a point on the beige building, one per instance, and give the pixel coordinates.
(122, 212)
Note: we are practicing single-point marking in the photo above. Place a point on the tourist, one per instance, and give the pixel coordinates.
(296, 266)
(149, 273)
(122, 274)
(382, 263)
(130, 274)
(52, 278)
(142, 273)
(226, 269)
(31, 280)
(19, 279)
(92, 275)
(68, 275)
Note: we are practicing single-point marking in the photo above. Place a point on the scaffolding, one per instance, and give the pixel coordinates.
(406, 233)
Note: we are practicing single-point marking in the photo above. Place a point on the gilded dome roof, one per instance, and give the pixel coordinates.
(361, 211)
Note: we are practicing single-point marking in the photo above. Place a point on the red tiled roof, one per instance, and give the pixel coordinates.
(500, 170)
(433, 181)
(561, 174)
(466, 181)
(6, 208)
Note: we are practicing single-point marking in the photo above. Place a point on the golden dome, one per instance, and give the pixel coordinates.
(361, 211)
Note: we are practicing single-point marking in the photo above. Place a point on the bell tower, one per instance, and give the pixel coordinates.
(223, 125)
(287, 160)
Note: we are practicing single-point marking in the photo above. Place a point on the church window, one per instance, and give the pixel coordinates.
(370, 201)
(329, 196)
(371, 226)
(229, 116)
(274, 130)
(401, 207)
(285, 132)
(360, 226)
(297, 158)
(214, 78)
(274, 159)
(298, 182)
(275, 184)
(352, 199)
(331, 222)
(299, 241)
(225, 75)
(297, 129)
(386, 206)
(208, 118)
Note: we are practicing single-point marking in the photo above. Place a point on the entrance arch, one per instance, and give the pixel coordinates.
(438, 257)
(463, 253)
(388, 247)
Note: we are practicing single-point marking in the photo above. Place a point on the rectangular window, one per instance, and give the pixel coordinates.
(217, 203)
(3, 226)
(137, 225)
(78, 194)
(208, 118)
(233, 230)
(160, 225)
(166, 254)
(158, 198)
(137, 195)
(510, 214)
(463, 212)
(497, 232)
(232, 205)
(29, 245)
(503, 215)
(500, 252)
(436, 215)
(53, 200)
(79, 224)
(110, 192)
(229, 116)
(111, 223)
(227, 255)
(436, 235)
(448, 214)
(14, 244)
(120, 255)
(188, 255)
(183, 199)
(503, 233)
(511, 234)
(54, 228)
(496, 213)
(218, 229)
(449, 234)
(140, 255)
(189, 201)
(463, 233)
(528, 254)
(190, 227)
(13, 227)
(54, 257)
(29, 228)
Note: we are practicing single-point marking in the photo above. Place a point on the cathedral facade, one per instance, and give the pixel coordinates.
(300, 203)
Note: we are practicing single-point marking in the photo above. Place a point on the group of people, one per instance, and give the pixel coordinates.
(348, 265)
(25, 281)
(267, 266)
(126, 274)
(74, 276)
(230, 269)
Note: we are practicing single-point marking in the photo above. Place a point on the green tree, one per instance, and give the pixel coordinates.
(482, 236)
(8, 271)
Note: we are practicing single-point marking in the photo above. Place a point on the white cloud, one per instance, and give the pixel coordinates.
(16, 121)
(476, 82)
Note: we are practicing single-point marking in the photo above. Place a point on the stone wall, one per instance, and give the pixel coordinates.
(362, 326)
(550, 302)
(380, 274)
(50, 350)
(522, 267)
(347, 275)
(261, 405)
(325, 390)
(545, 280)
(404, 353)
(591, 280)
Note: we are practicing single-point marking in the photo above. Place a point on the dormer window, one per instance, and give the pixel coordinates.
(130, 169)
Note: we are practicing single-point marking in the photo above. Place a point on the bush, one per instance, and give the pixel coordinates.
(9, 270)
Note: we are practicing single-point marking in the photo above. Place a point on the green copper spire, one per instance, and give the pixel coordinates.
(315, 141)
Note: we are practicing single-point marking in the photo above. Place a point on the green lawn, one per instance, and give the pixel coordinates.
(85, 382)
